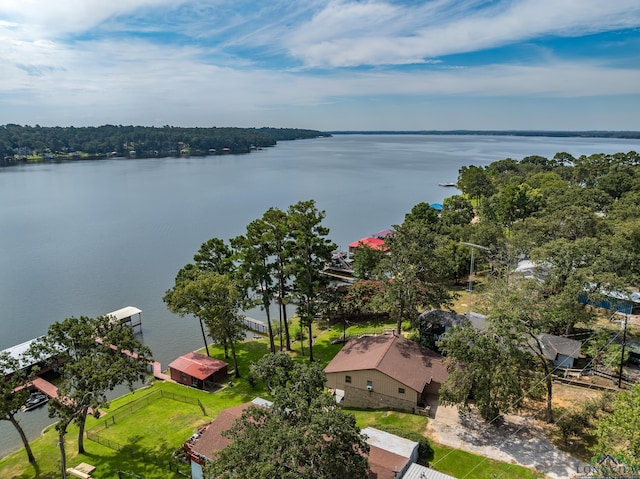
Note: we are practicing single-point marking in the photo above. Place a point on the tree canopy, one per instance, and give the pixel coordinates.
(92, 362)
(304, 434)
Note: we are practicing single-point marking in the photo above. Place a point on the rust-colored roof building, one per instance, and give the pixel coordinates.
(198, 370)
(386, 371)
(389, 456)
(368, 242)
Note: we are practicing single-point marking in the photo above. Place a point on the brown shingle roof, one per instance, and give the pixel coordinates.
(399, 358)
(211, 439)
(384, 464)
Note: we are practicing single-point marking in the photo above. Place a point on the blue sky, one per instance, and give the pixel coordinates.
(327, 65)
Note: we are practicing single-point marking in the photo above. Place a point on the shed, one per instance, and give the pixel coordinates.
(416, 471)
(198, 370)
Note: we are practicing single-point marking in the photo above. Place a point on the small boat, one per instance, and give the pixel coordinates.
(448, 184)
(36, 399)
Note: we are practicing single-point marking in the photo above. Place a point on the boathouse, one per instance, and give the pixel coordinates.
(129, 315)
(198, 371)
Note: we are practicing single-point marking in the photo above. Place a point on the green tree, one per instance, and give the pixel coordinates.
(484, 370)
(416, 276)
(304, 434)
(311, 250)
(366, 261)
(456, 211)
(277, 224)
(619, 433)
(603, 351)
(474, 182)
(518, 316)
(215, 300)
(423, 212)
(255, 251)
(11, 399)
(517, 202)
(213, 256)
(93, 361)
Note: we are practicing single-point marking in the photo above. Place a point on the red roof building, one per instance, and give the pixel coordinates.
(198, 370)
(368, 242)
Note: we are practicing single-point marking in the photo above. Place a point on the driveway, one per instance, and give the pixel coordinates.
(517, 440)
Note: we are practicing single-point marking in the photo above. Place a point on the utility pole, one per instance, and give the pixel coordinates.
(624, 343)
(471, 268)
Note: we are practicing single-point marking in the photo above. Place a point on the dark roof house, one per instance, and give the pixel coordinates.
(561, 351)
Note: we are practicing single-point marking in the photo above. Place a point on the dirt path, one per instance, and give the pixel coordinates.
(517, 440)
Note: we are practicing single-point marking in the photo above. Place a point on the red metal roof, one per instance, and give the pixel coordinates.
(197, 365)
(374, 243)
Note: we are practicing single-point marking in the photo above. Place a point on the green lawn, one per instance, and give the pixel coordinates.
(158, 428)
(445, 459)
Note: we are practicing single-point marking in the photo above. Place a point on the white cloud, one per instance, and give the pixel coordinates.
(54, 17)
(373, 33)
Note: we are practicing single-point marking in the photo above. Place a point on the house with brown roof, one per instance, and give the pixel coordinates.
(389, 455)
(386, 371)
(198, 371)
(204, 444)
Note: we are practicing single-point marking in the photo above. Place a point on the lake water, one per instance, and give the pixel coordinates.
(87, 238)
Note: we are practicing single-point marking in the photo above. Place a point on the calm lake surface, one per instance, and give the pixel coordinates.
(87, 238)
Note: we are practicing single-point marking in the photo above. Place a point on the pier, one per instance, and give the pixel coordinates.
(255, 325)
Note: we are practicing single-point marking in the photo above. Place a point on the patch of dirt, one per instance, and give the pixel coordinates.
(565, 395)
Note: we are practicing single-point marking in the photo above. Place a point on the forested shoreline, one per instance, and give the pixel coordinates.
(30, 144)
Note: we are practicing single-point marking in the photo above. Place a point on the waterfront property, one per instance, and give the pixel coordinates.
(386, 371)
(390, 456)
(202, 446)
(197, 370)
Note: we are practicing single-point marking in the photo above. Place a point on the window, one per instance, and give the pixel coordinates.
(401, 390)
(347, 379)
(369, 385)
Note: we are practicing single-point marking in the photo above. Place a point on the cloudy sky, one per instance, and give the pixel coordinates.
(327, 65)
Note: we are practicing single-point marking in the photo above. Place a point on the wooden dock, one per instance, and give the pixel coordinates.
(156, 367)
(45, 387)
(255, 325)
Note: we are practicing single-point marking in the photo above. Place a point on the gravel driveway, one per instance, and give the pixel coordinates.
(517, 440)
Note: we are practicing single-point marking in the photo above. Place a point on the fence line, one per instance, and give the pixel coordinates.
(145, 401)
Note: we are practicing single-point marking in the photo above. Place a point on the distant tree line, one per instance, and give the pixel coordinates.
(36, 143)
(551, 134)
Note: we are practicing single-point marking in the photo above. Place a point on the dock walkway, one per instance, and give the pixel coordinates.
(45, 387)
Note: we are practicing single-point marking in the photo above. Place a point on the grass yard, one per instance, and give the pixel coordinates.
(164, 418)
(463, 464)
(152, 432)
(451, 461)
